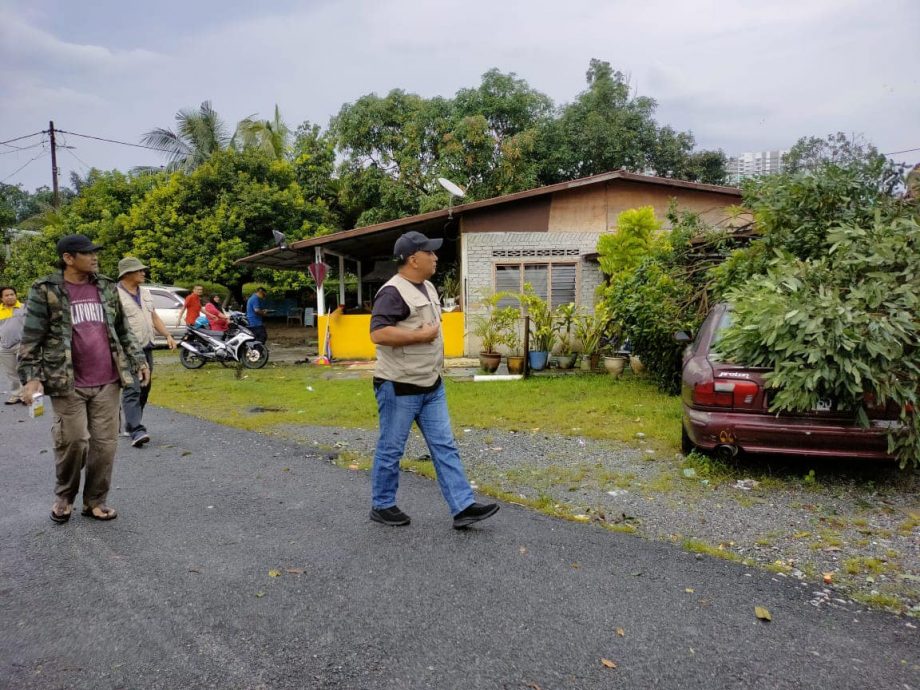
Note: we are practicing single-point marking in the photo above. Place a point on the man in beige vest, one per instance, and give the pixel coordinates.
(406, 328)
(143, 322)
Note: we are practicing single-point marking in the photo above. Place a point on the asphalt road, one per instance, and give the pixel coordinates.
(177, 592)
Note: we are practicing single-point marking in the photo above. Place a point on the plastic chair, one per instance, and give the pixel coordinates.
(295, 315)
(308, 315)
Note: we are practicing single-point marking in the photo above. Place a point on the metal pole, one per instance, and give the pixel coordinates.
(56, 199)
(527, 346)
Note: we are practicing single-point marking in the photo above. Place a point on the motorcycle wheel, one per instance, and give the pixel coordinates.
(190, 360)
(254, 355)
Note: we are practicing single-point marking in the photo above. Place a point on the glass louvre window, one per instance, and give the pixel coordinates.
(554, 282)
(538, 277)
(508, 279)
(563, 284)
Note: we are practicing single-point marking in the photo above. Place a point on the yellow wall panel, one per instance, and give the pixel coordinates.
(350, 335)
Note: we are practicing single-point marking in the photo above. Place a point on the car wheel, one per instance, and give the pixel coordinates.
(190, 360)
(255, 355)
(686, 445)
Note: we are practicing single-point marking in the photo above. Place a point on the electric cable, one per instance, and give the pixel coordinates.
(43, 153)
(25, 136)
(20, 149)
(114, 141)
(892, 153)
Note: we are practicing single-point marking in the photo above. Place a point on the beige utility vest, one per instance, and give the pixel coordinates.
(140, 318)
(418, 364)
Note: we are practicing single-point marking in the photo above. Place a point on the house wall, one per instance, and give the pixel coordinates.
(479, 260)
(572, 219)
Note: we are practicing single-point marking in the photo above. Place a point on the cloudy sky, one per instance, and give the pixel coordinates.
(743, 75)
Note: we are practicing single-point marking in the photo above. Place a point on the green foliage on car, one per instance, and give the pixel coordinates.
(840, 326)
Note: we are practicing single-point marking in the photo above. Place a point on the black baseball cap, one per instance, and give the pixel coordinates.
(71, 244)
(413, 242)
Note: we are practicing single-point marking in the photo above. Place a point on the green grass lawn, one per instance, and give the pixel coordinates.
(590, 405)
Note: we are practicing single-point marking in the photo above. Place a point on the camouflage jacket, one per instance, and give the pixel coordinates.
(45, 348)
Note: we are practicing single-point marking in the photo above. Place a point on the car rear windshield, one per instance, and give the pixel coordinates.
(724, 322)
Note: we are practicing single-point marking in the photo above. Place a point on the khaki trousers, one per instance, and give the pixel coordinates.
(85, 434)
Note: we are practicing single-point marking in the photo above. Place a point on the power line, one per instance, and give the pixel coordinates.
(78, 159)
(115, 141)
(892, 153)
(20, 149)
(23, 167)
(25, 136)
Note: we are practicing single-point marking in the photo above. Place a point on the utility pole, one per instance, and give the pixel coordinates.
(54, 169)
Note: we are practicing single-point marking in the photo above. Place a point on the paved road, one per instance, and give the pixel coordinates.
(176, 592)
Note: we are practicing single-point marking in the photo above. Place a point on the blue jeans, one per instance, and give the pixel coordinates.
(134, 400)
(429, 410)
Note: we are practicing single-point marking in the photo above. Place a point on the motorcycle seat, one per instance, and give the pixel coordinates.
(214, 334)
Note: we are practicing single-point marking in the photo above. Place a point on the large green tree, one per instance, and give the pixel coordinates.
(606, 128)
(197, 225)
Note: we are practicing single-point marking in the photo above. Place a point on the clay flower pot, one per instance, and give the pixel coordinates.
(489, 361)
(615, 366)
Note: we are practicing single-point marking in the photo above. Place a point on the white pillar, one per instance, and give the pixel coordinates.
(360, 291)
(320, 295)
(341, 280)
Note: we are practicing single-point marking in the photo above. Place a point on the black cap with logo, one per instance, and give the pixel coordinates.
(413, 242)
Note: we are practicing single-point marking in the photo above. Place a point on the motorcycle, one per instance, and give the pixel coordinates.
(235, 345)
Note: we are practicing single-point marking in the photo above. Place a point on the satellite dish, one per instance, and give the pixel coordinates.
(454, 190)
(279, 239)
(452, 187)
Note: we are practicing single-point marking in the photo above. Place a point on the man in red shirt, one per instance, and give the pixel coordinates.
(192, 306)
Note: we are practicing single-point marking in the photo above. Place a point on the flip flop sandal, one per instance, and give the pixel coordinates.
(108, 513)
(60, 517)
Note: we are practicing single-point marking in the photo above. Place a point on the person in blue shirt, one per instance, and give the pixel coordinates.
(255, 310)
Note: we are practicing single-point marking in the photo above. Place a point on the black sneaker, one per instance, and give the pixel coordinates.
(474, 513)
(140, 440)
(391, 516)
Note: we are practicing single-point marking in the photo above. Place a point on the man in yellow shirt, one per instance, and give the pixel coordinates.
(11, 316)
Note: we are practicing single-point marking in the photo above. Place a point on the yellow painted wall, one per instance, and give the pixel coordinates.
(351, 339)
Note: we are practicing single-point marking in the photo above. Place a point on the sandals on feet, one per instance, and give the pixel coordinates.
(64, 515)
(105, 513)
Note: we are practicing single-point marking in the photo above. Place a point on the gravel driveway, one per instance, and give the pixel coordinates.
(853, 531)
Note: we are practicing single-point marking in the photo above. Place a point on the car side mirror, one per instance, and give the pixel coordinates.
(682, 337)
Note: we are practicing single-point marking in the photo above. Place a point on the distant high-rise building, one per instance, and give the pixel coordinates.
(754, 163)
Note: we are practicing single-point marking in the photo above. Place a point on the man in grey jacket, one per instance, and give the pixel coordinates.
(12, 314)
(143, 322)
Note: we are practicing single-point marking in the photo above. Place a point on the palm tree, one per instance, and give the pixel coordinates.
(269, 136)
(198, 134)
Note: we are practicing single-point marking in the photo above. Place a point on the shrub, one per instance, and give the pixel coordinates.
(839, 326)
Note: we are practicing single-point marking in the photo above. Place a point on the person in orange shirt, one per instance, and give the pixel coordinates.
(192, 307)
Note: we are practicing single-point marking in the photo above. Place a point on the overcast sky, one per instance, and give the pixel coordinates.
(742, 75)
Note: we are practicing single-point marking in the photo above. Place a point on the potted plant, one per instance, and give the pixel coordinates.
(565, 318)
(450, 289)
(590, 328)
(542, 328)
(488, 329)
(507, 318)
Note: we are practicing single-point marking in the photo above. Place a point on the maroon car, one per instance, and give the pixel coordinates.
(726, 409)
